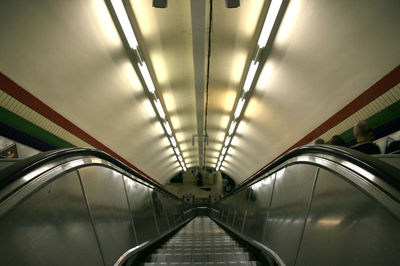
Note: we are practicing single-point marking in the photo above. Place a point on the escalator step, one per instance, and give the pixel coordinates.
(201, 242)
(201, 257)
(238, 263)
(199, 249)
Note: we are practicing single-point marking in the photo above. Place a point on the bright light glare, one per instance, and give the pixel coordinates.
(250, 76)
(239, 107)
(177, 151)
(160, 110)
(269, 22)
(232, 127)
(173, 141)
(223, 151)
(167, 128)
(125, 24)
(180, 158)
(146, 76)
(227, 140)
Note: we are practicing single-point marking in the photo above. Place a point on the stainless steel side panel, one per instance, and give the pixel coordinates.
(241, 205)
(347, 227)
(159, 211)
(290, 201)
(52, 226)
(259, 202)
(108, 205)
(142, 210)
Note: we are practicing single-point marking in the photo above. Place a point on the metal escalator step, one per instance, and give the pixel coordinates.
(238, 263)
(199, 249)
(201, 242)
(201, 257)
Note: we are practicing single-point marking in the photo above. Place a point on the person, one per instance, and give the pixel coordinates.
(319, 141)
(364, 136)
(337, 140)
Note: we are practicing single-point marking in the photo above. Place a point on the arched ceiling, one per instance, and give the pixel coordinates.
(70, 55)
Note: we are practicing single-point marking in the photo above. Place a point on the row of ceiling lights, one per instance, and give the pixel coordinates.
(269, 22)
(129, 34)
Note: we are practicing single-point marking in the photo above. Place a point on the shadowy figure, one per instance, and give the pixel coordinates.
(364, 136)
(337, 140)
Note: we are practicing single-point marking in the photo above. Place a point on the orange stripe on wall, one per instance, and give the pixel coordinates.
(25, 97)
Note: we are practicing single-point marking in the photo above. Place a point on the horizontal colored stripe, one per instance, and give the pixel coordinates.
(24, 138)
(20, 124)
(380, 87)
(377, 120)
(25, 97)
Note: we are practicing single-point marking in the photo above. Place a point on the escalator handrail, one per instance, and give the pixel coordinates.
(19, 169)
(388, 173)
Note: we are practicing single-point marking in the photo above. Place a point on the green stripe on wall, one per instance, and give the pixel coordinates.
(31, 129)
(386, 115)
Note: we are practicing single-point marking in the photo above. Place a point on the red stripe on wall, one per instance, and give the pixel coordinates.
(373, 92)
(25, 97)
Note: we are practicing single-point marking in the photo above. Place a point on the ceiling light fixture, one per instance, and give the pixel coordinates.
(172, 139)
(223, 151)
(227, 140)
(124, 22)
(272, 14)
(160, 110)
(269, 22)
(232, 127)
(250, 75)
(146, 76)
(239, 107)
(167, 128)
(129, 36)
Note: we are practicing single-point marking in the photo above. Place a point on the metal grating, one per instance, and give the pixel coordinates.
(377, 105)
(20, 109)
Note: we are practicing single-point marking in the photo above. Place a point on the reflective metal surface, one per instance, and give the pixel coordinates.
(142, 210)
(69, 219)
(240, 201)
(258, 207)
(108, 205)
(347, 227)
(50, 227)
(201, 242)
(287, 214)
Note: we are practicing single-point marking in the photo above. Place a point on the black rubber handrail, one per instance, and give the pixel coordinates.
(17, 170)
(379, 168)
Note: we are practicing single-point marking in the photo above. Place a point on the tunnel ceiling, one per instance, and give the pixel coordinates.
(71, 56)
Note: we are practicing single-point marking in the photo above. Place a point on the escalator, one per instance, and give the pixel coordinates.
(201, 242)
(317, 205)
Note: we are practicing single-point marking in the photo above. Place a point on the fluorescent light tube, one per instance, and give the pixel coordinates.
(180, 158)
(125, 24)
(269, 22)
(146, 76)
(173, 141)
(184, 168)
(239, 107)
(159, 108)
(227, 140)
(250, 75)
(177, 151)
(223, 151)
(168, 128)
(232, 127)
